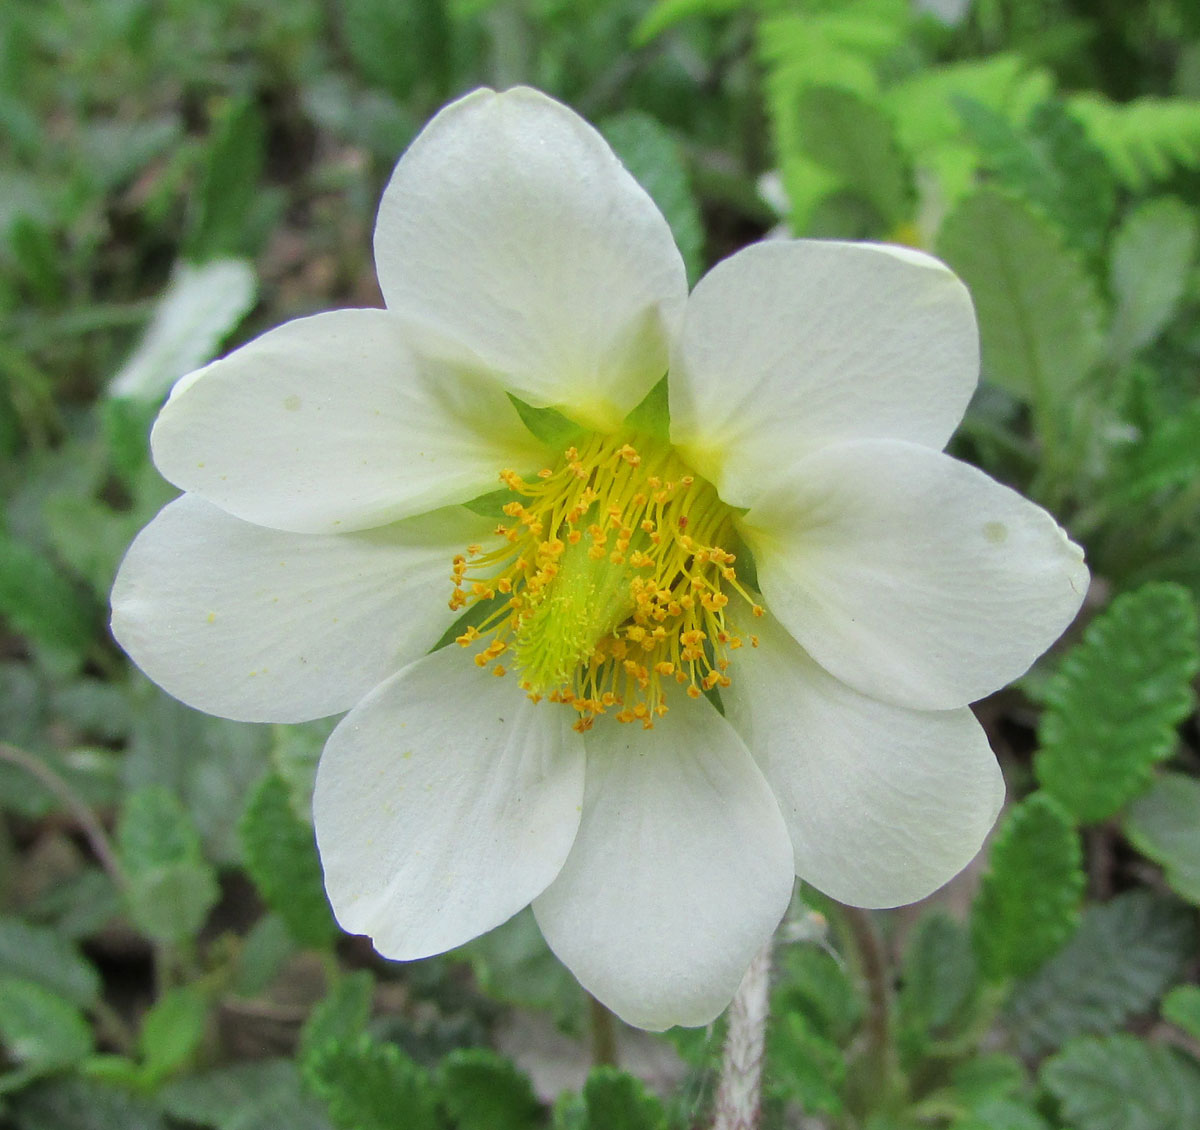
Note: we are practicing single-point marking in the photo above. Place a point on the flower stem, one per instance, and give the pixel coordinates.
(878, 1051)
(739, 1093)
(89, 825)
(604, 1035)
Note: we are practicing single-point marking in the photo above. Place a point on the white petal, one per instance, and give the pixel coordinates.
(791, 345)
(883, 804)
(330, 423)
(911, 576)
(511, 235)
(681, 871)
(266, 626)
(444, 803)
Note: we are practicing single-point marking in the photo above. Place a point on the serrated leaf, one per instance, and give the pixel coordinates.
(1119, 962)
(484, 1091)
(853, 139)
(1028, 902)
(1144, 140)
(266, 1095)
(39, 1031)
(649, 151)
(172, 886)
(1039, 312)
(42, 955)
(1051, 163)
(280, 855)
(939, 979)
(1153, 254)
(615, 1100)
(1164, 825)
(341, 1016)
(201, 306)
(1123, 1083)
(810, 980)
(1115, 700)
(372, 1086)
(82, 1104)
(1181, 1007)
(804, 1065)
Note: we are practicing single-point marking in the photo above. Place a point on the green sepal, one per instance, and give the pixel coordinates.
(547, 424)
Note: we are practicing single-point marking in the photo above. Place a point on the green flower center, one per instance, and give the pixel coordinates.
(612, 583)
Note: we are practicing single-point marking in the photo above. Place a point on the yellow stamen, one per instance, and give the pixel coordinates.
(612, 582)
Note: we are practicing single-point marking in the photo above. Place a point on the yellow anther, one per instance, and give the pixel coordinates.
(595, 622)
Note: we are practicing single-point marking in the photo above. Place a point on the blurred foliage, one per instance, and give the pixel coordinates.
(179, 175)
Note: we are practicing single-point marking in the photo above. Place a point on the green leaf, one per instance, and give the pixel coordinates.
(230, 189)
(42, 955)
(211, 764)
(341, 1016)
(1164, 825)
(939, 980)
(617, 1101)
(280, 855)
(1051, 163)
(38, 601)
(1002, 1114)
(265, 949)
(484, 1091)
(1181, 1007)
(804, 1066)
(1119, 962)
(171, 1032)
(1039, 313)
(264, 1095)
(666, 13)
(515, 966)
(1115, 700)
(396, 46)
(1144, 140)
(1028, 902)
(40, 1032)
(649, 151)
(810, 980)
(853, 139)
(1153, 254)
(83, 1104)
(201, 306)
(296, 749)
(372, 1086)
(1123, 1083)
(172, 886)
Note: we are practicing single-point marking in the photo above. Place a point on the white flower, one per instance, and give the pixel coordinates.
(322, 548)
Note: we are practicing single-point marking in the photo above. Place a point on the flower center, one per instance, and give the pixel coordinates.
(612, 582)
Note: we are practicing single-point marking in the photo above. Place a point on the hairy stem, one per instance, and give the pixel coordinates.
(739, 1093)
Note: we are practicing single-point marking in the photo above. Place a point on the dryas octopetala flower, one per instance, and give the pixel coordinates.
(691, 654)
